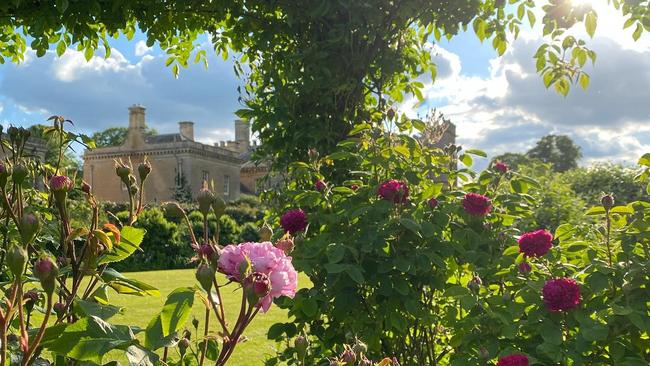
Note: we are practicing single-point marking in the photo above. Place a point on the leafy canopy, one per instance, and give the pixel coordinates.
(314, 69)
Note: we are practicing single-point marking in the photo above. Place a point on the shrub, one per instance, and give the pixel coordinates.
(449, 285)
(592, 182)
(249, 232)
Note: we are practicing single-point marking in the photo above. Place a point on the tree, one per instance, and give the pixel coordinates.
(182, 191)
(313, 71)
(558, 150)
(115, 136)
(69, 161)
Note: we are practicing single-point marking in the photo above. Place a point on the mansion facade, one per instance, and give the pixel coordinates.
(176, 159)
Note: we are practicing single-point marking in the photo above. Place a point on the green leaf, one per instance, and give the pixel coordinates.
(176, 310)
(476, 152)
(596, 210)
(355, 274)
(584, 81)
(591, 21)
(622, 210)
(139, 356)
(128, 286)
(410, 225)
(89, 339)
(130, 240)
(466, 159)
(645, 160)
(88, 308)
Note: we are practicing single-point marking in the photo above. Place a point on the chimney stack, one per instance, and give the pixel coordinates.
(186, 128)
(136, 117)
(242, 135)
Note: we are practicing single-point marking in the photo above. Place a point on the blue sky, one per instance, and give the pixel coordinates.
(498, 103)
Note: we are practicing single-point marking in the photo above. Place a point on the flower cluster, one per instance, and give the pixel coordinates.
(561, 294)
(265, 259)
(535, 243)
(294, 221)
(394, 191)
(477, 204)
(513, 360)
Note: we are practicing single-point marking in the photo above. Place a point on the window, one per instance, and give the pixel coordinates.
(179, 173)
(226, 185)
(206, 176)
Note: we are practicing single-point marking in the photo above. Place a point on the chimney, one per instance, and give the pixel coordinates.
(186, 128)
(242, 135)
(136, 117)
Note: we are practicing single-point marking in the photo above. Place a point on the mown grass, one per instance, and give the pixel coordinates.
(139, 311)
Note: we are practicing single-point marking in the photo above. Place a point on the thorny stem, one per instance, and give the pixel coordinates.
(608, 223)
(39, 335)
(205, 335)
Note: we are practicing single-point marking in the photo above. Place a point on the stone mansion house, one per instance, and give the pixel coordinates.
(174, 158)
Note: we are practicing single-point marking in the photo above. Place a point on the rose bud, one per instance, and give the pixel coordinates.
(359, 347)
(286, 245)
(183, 345)
(320, 185)
(313, 154)
(13, 133)
(17, 259)
(348, 357)
(301, 344)
(205, 276)
(19, 174)
(390, 113)
(122, 171)
(144, 169)
(265, 232)
(475, 284)
(607, 201)
(59, 309)
(365, 362)
(195, 323)
(29, 226)
(4, 174)
(218, 206)
(31, 297)
(46, 271)
(354, 187)
(257, 285)
(205, 199)
(524, 268)
(173, 210)
(207, 251)
(85, 187)
(60, 185)
(432, 202)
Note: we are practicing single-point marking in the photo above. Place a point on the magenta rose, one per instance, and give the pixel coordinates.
(294, 221)
(501, 167)
(394, 191)
(513, 360)
(477, 204)
(561, 294)
(524, 268)
(535, 243)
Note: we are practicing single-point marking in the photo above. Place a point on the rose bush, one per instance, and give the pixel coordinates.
(64, 268)
(456, 282)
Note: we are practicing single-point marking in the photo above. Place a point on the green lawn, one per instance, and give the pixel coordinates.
(139, 310)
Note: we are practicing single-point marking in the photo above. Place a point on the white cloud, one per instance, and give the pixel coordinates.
(510, 109)
(96, 94)
(141, 48)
